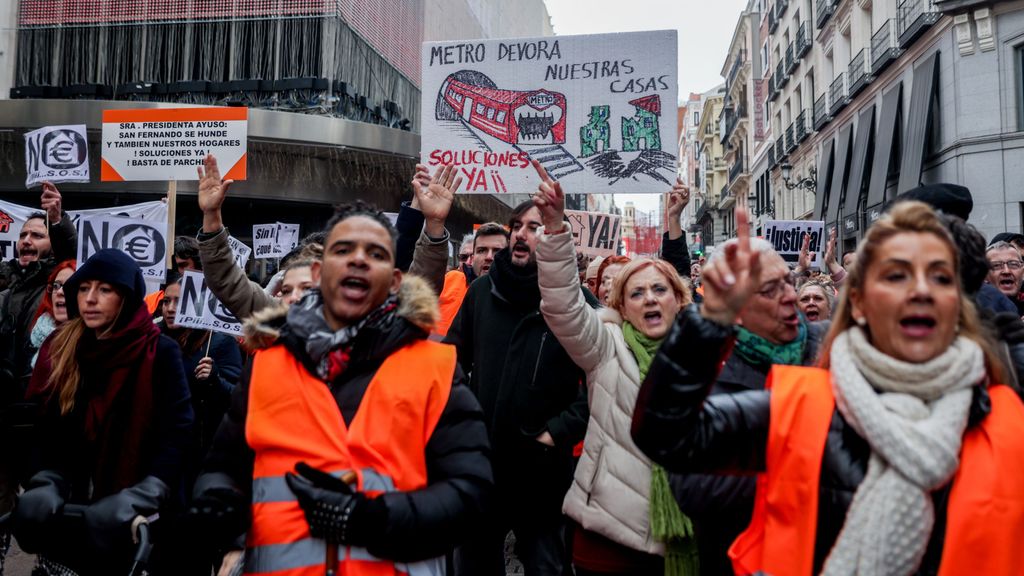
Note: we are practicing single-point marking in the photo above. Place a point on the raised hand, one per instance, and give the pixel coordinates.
(422, 178)
(730, 280)
(435, 199)
(550, 200)
(678, 199)
(830, 251)
(212, 191)
(50, 202)
(803, 263)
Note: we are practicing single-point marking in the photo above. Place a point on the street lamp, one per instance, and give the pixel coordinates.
(767, 210)
(809, 183)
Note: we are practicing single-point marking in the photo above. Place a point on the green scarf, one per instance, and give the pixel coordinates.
(668, 524)
(757, 351)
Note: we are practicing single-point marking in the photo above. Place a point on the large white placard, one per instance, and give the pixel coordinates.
(598, 111)
(13, 217)
(144, 241)
(788, 235)
(170, 143)
(56, 154)
(595, 234)
(199, 308)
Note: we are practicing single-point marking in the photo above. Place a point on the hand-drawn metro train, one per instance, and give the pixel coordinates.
(514, 116)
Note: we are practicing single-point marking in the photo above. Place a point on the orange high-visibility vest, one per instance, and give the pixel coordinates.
(984, 518)
(152, 300)
(293, 417)
(455, 287)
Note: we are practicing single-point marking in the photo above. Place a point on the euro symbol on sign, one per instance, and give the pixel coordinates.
(64, 149)
(143, 243)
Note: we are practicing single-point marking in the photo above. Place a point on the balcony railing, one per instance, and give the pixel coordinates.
(885, 47)
(803, 40)
(773, 89)
(741, 59)
(791, 62)
(773, 21)
(772, 160)
(821, 111)
(802, 129)
(825, 10)
(838, 93)
(780, 8)
(781, 77)
(790, 139)
(913, 17)
(860, 72)
(780, 149)
(737, 168)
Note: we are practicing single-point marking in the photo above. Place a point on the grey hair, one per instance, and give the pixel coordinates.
(1001, 245)
(467, 239)
(828, 291)
(757, 244)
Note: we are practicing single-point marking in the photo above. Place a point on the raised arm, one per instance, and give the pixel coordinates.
(674, 421)
(673, 243)
(434, 197)
(570, 318)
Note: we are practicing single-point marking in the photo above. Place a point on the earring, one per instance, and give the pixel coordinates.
(862, 322)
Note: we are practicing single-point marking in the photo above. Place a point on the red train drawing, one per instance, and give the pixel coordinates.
(513, 116)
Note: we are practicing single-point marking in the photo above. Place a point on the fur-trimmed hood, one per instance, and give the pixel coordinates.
(417, 304)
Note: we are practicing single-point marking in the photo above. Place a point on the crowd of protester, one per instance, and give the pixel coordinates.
(389, 411)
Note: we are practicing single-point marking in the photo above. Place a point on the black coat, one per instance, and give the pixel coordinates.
(18, 304)
(720, 506)
(527, 384)
(687, 430)
(404, 526)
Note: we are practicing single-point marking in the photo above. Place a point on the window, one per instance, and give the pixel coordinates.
(490, 113)
(501, 116)
(696, 118)
(480, 109)
(458, 97)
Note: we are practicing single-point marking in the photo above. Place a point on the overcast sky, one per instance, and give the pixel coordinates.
(704, 30)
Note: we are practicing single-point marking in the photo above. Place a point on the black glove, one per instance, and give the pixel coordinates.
(38, 510)
(109, 520)
(327, 501)
(219, 512)
(1009, 327)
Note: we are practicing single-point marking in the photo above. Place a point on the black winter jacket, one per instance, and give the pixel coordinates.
(18, 306)
(720, 506)
(686, 430)
(401, 526)
(526, 384)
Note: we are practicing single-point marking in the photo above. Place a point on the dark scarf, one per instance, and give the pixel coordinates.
(329, 350)
(114, 403)
(469, 272)
(516, 284)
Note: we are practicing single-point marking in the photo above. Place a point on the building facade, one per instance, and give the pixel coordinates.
(870, 98)
(706, 223)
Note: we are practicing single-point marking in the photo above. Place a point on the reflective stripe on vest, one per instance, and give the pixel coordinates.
(293, 417)
(985, 514)
(310, 553)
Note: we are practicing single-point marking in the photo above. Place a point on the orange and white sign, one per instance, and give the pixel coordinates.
(169, 143)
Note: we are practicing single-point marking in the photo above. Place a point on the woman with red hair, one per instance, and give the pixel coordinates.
(52, 312)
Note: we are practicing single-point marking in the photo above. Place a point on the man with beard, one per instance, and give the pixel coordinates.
(40, 249)
(534, 402)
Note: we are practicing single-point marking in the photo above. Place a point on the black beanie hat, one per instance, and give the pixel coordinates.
(1010, 237)
(949, 198)
(113, 267)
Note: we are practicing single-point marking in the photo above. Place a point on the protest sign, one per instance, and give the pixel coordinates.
(13, 217)
(240, 251)
(56, 154)
(169, 143)
(788, 235)
(274, 240)
(588, 108)
(595, 234)
(198, 308)
(144, 241)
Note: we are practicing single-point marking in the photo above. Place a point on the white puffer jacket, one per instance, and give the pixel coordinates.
(610, 493)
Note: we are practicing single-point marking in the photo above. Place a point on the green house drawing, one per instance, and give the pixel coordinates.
(641, 132)
(596, 135)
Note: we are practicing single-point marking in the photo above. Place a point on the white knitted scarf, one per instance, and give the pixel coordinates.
(913, 416)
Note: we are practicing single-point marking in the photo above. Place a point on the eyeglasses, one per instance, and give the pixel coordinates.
(464, 257)
(57, 285)
(1011, 264)
(773, 290)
